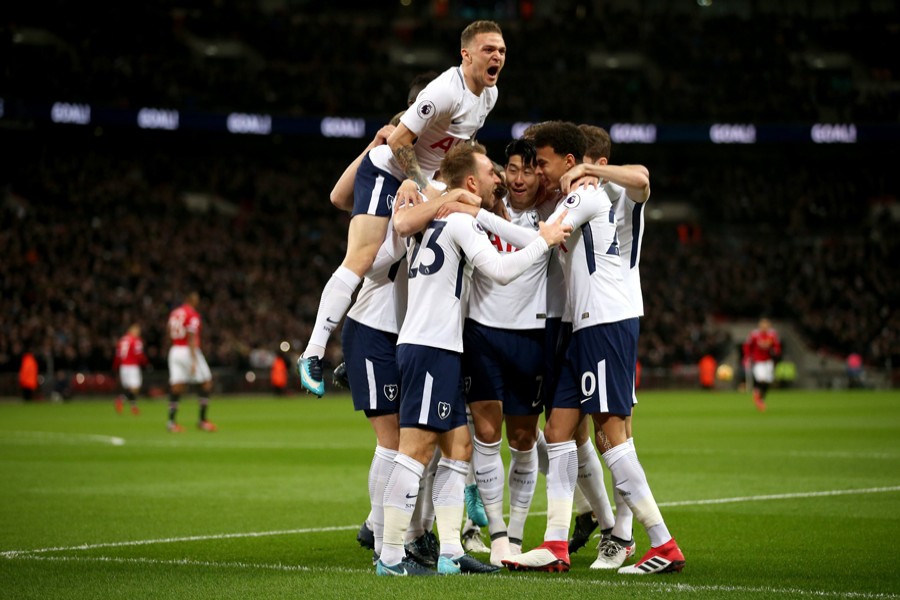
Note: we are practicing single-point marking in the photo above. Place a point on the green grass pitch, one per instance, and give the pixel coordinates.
(802, 501)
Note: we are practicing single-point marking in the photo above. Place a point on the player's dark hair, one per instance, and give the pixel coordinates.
(476, 27)
(418, 84)
(524, 148)
(598, 143)
(564, 137)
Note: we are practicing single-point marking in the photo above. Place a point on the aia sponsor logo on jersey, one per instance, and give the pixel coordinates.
(425, 109)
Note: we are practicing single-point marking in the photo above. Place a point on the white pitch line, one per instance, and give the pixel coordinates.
(174, 540)
(624, 583)
(64, 438)
(877, 490)
(251, 534)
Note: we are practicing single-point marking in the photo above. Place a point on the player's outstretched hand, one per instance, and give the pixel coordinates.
(407, 195)
(577, 177)
(382, 136)
(449, 208)
(556, 231)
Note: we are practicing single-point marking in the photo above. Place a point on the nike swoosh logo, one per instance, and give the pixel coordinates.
(517, 472)
(585, 400)
(483, 472)
(309, 380)
(401, 573)
(332, 322)
(458, 121)
(411, 497)
(535, 403)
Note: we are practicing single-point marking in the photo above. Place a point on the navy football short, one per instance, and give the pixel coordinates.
(371, 359)
(373, 190)
(598, 373)
(504, 364)
(431, 388)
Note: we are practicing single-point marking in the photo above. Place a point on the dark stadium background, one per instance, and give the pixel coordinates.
(105, 223)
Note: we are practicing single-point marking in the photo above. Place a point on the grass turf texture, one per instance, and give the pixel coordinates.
(801, 501)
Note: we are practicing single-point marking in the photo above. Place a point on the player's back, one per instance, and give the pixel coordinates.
(592, 267)
(183, 320)
(629, 217)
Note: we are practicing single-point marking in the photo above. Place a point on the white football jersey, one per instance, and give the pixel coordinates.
(630, 233)
(444, 114)
(593, 271)
(555, 284)
(521, 304)
(381, 301)
(437, 274)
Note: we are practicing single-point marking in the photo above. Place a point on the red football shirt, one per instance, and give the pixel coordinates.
(762, 345)
(182, 321)
(130, 351)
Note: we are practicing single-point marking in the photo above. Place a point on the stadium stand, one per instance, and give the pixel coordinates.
(102, 228)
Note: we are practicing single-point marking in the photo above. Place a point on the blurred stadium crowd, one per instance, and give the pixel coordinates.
(101, 229)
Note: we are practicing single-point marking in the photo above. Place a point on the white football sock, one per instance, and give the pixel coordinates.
(541, 445)
(523, 473)
(333, 305)
(590, 482)
(449, 500)
(490, 478)
(631, 481)
(379, 471)
(423, 516)
(623, 528)
(399, 501)
(562, 475)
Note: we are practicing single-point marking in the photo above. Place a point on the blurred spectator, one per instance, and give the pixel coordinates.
(855, 371)
(28, 377)
(707, 371)
(279, 375)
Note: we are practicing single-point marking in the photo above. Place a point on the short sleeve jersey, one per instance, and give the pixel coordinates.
(444, 114)
(130, 351)
(630, 234)
(520, 304)
(183, 320)
(383, 288)
(591, 265)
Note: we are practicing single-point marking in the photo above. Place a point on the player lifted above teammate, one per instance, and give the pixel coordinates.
(450, 110)
(432, 408)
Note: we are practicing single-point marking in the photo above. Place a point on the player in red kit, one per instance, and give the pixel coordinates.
(186, 361)
(129, 359)
(760, 351)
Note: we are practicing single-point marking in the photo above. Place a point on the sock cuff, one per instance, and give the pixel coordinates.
(561, 448)
(347, 277)
(385, 453)
(410, 464)
(487, 449)
(524, 456)
(613, 455)
(585, 450)
(460, 466)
